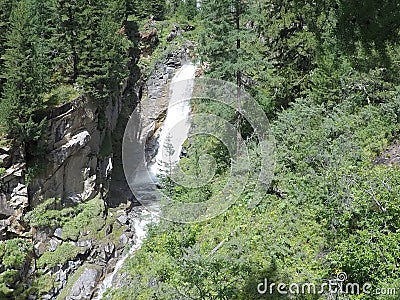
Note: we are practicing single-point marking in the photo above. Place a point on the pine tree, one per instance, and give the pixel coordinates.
(68, 26)
(5, 11)
(146, 8)
(225, 40)
(25, 71)
(95, 45)
(103, 46)
(286, 32)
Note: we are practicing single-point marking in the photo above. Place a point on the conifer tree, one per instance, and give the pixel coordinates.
(25, 71)
(5, 11)
(102, 48)
(225, 40)
(146, 8)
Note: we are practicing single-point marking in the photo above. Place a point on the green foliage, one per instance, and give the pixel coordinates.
(46, 214)
(370, 24)
(145, 9)
(14, 253)
(60, 95)
(25, 72)
(5, 11)
(102, 60)
(329, 208)
(65, 252)
(184, 10)
(48, 46)
(35, 167)
(367, 239)
(15, 256)
(43, 284)
(74, 220)
(88, 221)
(224, 43)
(327, 74)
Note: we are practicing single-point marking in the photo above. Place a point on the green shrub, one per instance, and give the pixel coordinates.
(65, 252)
(90, 219)
(60, 95)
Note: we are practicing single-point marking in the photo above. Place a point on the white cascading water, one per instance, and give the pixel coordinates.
(140, 224)
(176, 126)
(174, 131)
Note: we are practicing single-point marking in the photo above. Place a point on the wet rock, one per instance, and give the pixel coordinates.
(109, 249)
(61, 276)
(18, 201)
(5, 160)
(3, 228)
(86, 243)
(42, 235)
(176, 31)
(106, 252)
(5, 209)
(40, 248)
(108, 229)
(189, 28)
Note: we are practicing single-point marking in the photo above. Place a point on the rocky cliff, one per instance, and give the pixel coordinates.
(75, 208)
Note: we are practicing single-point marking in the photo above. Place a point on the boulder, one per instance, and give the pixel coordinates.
(58, 233)
(83, 288)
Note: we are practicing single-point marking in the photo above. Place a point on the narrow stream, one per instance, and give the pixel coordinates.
(173, 133)
(140, 224)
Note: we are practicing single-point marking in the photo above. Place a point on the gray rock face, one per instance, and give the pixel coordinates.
(13, 193)
(123, 219)
(390, 157)
(85, 285)
(74, 169)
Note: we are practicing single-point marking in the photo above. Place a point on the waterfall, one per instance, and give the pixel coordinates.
(173, 133)
(176, 126)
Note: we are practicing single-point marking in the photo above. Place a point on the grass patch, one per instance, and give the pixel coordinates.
(63, 253)
(60, 95)
(90, 220)
(86, 216)
(46, 214)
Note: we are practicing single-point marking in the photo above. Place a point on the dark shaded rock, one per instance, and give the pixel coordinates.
(390, 157)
